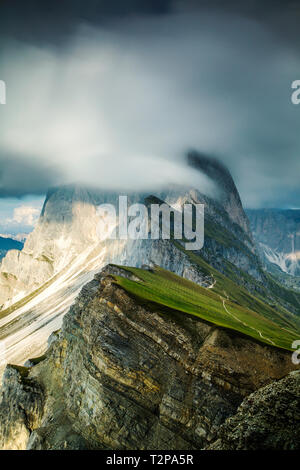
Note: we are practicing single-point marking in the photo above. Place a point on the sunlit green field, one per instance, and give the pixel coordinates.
(226, 304)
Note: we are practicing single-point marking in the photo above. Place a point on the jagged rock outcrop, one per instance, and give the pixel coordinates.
(122, 375)
(268, 419)
(229, 195)
(21, 408)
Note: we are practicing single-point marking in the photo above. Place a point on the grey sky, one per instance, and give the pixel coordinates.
(119, 101)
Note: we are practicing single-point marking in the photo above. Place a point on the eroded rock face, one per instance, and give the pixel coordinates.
(21, 408)
(124, 376)
(267, 419)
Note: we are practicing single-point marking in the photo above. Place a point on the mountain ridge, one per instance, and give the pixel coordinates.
(122, 376)
(63, 253)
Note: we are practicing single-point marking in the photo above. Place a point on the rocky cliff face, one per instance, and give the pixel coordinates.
(267, 419)
(120, 375)
(67, 227)
(277, 233)
(228, 192)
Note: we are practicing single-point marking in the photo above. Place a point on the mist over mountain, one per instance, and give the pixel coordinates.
(117, 102)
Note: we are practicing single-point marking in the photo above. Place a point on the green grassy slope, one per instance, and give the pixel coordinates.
(242, 296)
(269, 291)
(226, 304)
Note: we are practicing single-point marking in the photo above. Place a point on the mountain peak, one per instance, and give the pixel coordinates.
(221, 176)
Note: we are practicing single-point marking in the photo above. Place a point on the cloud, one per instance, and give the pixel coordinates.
(52, 20)
(118, 106)
(23, 216)
(26, 215)
(23, 174)
(19, 216)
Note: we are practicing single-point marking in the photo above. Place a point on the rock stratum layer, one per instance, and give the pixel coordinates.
(122, 375)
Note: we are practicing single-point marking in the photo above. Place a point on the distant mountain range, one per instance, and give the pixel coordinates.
(277, 234)
(7, 244)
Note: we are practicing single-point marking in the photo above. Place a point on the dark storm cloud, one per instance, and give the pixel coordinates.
(19, 177)
(122, 97)
(54, 20)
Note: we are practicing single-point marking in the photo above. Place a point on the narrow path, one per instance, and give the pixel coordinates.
(234, 316)
(245, 324)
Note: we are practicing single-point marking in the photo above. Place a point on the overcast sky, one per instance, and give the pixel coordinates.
(114, 96)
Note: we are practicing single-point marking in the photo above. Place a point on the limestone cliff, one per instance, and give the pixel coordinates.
(122, 375)
(66, 227)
